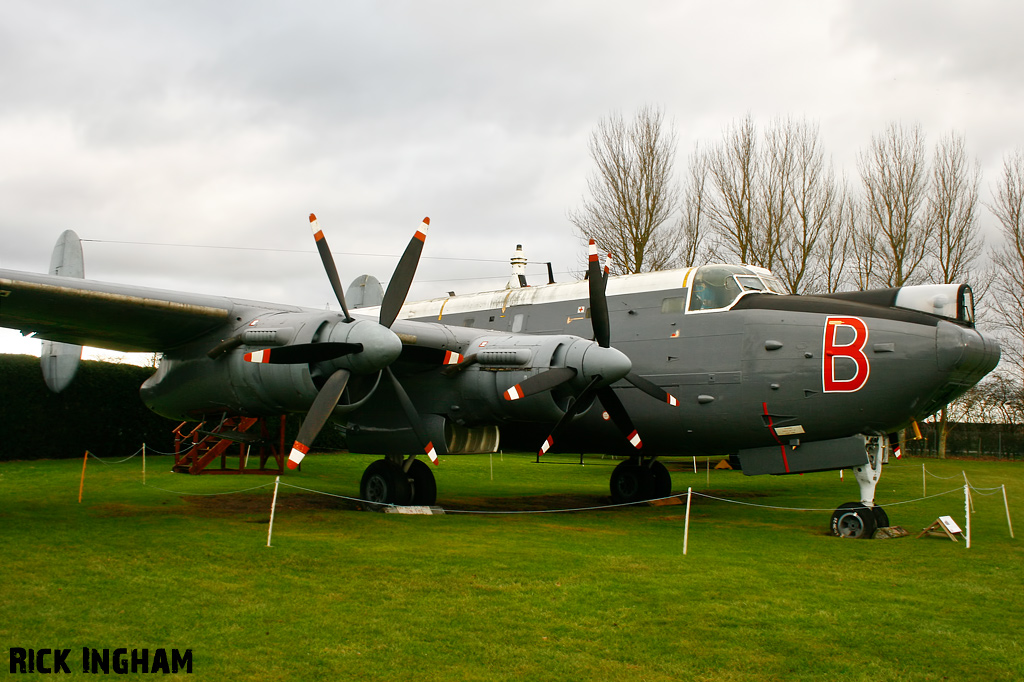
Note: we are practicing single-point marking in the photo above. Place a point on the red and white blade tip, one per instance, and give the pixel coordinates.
(452, 358)
(421, 233)
(546, 445)
(298, 452)
(514, 393)
(593, 250)
(672, 400)
(259, 356)
(431, 453)
(634, 440)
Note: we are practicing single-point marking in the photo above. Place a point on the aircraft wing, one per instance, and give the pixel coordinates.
(106, 315)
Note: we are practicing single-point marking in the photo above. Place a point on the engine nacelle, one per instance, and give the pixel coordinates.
(503, 361)
(195, 385)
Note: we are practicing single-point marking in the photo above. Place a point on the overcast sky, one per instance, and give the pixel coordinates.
(223, 124)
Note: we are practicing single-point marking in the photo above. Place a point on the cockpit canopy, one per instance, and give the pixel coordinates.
(717, 287)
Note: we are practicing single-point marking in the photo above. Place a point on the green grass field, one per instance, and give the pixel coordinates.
(343, 594)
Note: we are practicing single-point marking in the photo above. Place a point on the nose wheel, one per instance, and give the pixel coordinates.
(854, 520)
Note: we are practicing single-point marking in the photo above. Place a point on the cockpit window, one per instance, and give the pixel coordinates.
(716, 287)
(750, 283)
(774, 285)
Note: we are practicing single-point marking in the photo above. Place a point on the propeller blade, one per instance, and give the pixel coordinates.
(652, 389)
(321, 409)
(401, 279)
(619, 416)
(328, 260)
(303, 353)
(598, 300)
(431, 356)
(570, 414)
(413, 416)
(545, 381)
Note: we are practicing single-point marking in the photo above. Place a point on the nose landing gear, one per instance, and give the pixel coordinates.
(862, 519)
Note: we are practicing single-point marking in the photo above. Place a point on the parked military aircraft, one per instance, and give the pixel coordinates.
(704, 360)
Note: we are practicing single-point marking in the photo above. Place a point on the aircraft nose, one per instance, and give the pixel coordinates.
(967, 354)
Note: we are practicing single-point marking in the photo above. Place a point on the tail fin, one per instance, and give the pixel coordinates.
(60, 360)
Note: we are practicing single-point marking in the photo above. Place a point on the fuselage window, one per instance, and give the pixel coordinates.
(673, 305)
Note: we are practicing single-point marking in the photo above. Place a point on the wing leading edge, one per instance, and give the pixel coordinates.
(106, 315)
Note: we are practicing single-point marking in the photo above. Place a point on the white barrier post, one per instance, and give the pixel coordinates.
(695, 464)
(273, 506)
(967, 511)
(968, 484)
(686, 526)
(1006, 503)
(143, 464)
(924, 481)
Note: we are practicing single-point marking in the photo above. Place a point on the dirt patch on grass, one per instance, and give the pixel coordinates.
(226, 506)
(552, 502)
(241, 505)
(235, 505)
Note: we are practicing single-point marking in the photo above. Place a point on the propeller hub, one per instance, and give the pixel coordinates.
(381, 346)
(608, 363)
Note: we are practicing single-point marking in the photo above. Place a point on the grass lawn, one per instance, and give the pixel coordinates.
(763, 594)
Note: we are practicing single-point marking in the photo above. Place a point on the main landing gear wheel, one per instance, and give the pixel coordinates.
(384, 483)
(661, 481)
(635, 481)
(854, 520)
(424, 487)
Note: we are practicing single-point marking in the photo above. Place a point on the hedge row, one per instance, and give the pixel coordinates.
(100, 411)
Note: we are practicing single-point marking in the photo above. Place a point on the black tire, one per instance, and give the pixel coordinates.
(661, 481)
(384, 484)
(881, 518)
(631, 482)
(424, 487)
(853, 520)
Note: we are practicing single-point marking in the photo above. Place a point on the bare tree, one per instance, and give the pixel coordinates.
(733, 165)
(816, 208)
(693, 220)
(774, 196)
(953, 210)
(953, 219)
(895, 178)
(835, 244)
(1007, 301)
(632, 193)
(771, 199)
